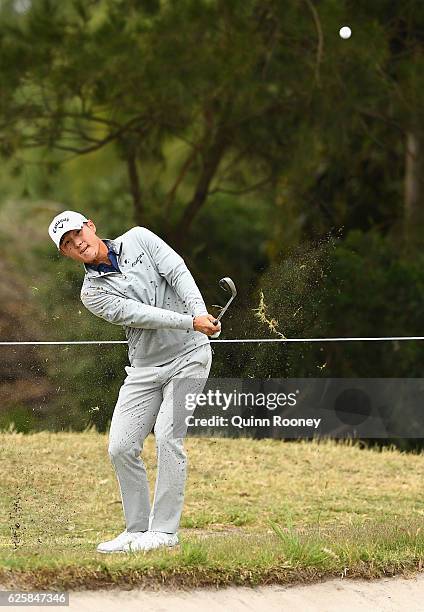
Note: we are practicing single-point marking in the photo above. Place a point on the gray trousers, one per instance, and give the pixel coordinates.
(146, 398)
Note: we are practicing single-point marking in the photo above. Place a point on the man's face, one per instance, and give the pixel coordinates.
(81, 244)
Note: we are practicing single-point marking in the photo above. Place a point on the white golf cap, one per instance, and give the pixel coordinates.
(62, 223)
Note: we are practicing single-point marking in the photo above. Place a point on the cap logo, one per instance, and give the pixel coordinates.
(56, 225)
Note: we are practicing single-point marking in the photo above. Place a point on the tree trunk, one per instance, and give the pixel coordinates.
(135, 187)
(413, 193)
(210, 167)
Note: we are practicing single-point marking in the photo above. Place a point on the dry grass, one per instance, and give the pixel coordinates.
(256, 511)
(261, 313)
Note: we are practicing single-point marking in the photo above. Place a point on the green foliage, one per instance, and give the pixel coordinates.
(252, 124)
(248, 87)
(378, 292)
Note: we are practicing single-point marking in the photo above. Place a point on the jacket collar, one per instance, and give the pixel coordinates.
(116, 247)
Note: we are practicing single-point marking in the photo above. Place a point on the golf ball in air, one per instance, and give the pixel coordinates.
(345, 32)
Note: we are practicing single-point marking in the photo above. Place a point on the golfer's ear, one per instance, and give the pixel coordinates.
(64, 253)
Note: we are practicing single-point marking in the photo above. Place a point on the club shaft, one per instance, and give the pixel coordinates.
(221, 314)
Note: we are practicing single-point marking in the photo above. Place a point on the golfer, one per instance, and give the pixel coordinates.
(139, 282)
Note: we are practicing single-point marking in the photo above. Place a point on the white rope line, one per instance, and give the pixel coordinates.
(235, 341)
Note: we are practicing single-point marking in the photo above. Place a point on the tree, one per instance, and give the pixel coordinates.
(250, 91)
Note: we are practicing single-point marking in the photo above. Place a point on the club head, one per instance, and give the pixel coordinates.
(228, 285)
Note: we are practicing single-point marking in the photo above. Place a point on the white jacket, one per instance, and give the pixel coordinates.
(154, 297)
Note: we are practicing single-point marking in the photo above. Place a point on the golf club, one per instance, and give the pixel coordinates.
(228, 285)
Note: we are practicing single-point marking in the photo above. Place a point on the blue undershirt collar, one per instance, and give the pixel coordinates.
(102, 267)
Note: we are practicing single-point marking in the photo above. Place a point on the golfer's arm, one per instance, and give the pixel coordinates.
(171, 266)
(132, 313)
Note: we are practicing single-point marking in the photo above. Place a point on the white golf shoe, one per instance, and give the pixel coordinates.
(117, 544)
(150, 540)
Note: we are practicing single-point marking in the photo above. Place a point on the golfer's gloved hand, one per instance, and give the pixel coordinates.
(205, 324)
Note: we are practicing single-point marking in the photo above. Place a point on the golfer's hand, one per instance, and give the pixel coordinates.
(204, 324)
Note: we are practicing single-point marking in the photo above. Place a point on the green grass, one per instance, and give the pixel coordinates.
(256, 512)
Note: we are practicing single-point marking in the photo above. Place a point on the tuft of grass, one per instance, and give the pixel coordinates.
(302, 552)
(193, 554)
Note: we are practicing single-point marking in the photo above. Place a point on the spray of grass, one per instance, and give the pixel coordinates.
(293, 303)
(293, 288)
(261, 313)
